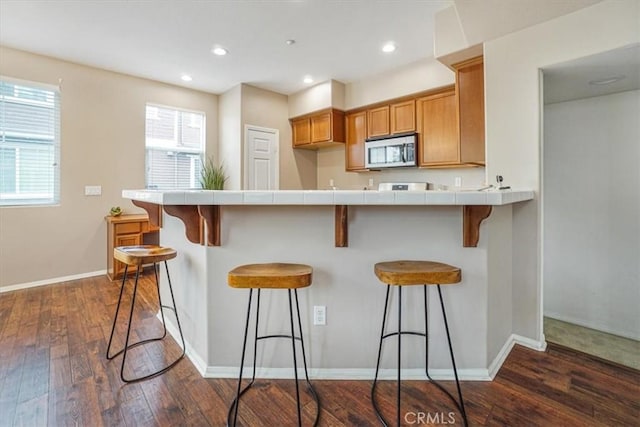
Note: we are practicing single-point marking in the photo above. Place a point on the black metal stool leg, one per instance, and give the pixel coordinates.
(164, 324)
(399, 352)
(453, 361)
(126, 341)
(175, 310)
(304, 361)
(115, 316)
(375, 378)
(236, 401)
(295, 362)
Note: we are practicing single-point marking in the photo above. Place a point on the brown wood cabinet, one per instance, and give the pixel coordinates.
(470, 93)
(403, 116)
(399, 117)
(378, 121)
(320, 129)
(437, 130)
(127, 230)
(356, 126)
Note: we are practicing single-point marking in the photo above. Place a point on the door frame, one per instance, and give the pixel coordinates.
(245, 157)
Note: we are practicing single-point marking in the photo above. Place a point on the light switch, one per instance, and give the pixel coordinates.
(92, 190)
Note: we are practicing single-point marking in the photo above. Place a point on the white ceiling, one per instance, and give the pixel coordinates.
(570, 80)
(340, 40)
(161, 40)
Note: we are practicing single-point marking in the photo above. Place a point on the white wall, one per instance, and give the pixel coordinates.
(592, 212)
(230, 139)
(102, 143)
(513, 121)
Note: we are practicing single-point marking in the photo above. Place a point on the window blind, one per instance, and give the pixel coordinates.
(29, 143)
(175, 141)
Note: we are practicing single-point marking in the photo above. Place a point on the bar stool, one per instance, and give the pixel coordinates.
(138, 256)
(272, 276)
(408, 273)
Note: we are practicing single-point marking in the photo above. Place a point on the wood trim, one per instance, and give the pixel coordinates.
(189, 215)
(153, 210)
(342, 226)
(315, 113)
(211, 216)
(405, 98)
(472, 216)
(468, 62)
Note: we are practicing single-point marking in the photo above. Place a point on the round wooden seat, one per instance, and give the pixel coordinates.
(143, 254)
(403, 273)
(271, 275)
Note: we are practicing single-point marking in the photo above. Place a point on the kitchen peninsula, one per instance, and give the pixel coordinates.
(342, 234)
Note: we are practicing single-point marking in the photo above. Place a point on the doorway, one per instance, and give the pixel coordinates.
(261, 158)
(591, 205)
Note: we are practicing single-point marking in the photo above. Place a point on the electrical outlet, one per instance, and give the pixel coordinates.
(92, 190)
(319, 315)
(331, 183)
(458, 181)
(370, 183)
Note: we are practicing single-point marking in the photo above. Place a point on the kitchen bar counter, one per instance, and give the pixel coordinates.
(194, 207)
(225, 229)
(329, 197)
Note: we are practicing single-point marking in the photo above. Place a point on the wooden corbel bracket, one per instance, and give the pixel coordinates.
(211, 216)
(189, 215)
(342, 226)
(153, 210)
(472, 216)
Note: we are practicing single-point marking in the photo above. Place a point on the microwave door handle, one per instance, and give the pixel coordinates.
(405, 153)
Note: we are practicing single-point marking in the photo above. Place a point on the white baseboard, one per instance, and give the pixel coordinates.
(514, 339)
(348, 373)
(51, 281)
(190, 352)
(361, 374)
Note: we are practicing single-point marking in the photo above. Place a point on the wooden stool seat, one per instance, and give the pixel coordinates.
(143, 254)
(401, 273)
(272, 276)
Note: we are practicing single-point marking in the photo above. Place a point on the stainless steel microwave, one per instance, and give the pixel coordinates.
(391, 152)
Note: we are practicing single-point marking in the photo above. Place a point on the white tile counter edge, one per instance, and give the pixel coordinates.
(328, 197)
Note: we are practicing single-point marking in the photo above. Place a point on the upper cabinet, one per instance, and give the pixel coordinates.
(437, 130)
(470, 94)
(403, 116)
(378, 121)
(320, 129)
(356, 124)
(391, 119)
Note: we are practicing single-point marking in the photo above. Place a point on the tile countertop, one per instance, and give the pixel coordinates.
(328, 197)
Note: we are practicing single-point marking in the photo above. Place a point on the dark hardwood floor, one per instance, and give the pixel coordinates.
(53, 372)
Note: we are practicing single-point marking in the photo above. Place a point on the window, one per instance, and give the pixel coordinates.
(29, 143)
(175, 147)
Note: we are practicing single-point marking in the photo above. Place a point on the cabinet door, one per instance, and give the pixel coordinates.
(378, 121)
(125, 240)
(470, 79)
(321, 127)
(437, 125)
(403, 117)
(301, 131)
(356, 134)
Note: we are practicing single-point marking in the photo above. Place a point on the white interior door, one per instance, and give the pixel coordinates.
(261, 166)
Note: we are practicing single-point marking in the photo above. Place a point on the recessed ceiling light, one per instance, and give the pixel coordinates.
(290, 42)
(219, 50)
(307, 79)
(389, 47)
(607, 80)
(186, 77)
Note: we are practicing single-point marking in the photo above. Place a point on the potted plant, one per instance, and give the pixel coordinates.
(212, 176)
